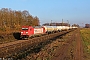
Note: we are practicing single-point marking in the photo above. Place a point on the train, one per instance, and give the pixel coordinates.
(28, 31)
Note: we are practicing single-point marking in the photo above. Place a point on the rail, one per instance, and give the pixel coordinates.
(13, 48)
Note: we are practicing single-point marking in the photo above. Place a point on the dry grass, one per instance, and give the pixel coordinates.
(7, 36)
(85, 34)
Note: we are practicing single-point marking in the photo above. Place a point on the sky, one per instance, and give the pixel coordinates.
(74, 11)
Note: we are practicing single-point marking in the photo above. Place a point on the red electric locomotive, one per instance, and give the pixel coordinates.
(28, 31)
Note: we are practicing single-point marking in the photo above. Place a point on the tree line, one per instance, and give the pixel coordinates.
(13, 20)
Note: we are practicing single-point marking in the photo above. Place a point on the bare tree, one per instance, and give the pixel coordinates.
(13, 20)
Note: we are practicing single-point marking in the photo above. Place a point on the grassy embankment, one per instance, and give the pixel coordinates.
(85, 33)
(8, 36)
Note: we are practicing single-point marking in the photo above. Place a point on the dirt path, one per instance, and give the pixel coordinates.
(73, 50)
(79, 47)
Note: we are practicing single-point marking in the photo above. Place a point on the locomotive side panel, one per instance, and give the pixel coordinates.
(38, 30)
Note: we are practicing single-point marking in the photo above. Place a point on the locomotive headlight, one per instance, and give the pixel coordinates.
(21, 32)
(26, 32)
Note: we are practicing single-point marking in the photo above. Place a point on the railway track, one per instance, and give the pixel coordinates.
(14, 48)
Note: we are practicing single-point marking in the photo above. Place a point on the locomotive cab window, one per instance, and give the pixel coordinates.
(24, 28)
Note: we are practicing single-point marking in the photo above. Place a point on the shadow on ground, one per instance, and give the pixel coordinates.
(17, 35)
